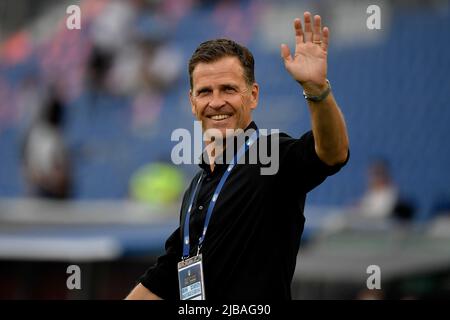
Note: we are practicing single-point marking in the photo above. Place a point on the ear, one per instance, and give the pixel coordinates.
(254, 96)
(191, 99)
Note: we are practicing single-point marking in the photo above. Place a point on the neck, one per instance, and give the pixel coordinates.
(212, 150)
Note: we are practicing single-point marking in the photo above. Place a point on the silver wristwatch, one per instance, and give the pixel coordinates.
(319, 97)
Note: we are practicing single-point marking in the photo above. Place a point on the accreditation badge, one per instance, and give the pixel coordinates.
(190, 279)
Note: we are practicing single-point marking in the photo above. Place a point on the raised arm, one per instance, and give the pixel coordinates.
(308, 67)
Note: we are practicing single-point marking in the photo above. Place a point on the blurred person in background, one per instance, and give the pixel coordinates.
(157, 183)
(382, 199)
(133, 57)
(132, 37)
(45, 159)
(381, 195)
(380, 205)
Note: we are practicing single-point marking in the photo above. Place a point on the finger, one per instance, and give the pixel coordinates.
(316, 29)
(308, 27)
(298, 31)
(325, 38)
(285, 53)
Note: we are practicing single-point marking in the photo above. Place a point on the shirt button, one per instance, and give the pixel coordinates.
(200, 208)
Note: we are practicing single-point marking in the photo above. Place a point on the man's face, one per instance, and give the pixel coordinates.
(221, 98)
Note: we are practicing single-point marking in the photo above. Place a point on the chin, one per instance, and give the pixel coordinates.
(230, 126)
(223, 131)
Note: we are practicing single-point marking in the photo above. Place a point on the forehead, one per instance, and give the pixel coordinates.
(224, 70)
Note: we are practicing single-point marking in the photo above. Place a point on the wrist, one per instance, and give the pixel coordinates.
(314, 89)
(317, 92)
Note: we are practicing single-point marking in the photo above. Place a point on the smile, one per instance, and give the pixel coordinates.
(219, 117)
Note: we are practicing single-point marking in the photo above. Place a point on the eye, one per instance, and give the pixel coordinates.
(203, 92)
(230, 90)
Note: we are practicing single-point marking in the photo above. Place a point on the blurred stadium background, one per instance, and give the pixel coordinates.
(100, 104)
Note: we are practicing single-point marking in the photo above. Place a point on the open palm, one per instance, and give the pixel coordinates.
(309, 63)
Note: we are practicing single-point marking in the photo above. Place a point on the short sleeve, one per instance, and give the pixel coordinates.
(162, 278)
(300, 160)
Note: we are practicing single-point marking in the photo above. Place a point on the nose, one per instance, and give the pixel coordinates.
(217, 100)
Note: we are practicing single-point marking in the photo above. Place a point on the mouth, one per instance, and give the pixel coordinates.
(219, 117)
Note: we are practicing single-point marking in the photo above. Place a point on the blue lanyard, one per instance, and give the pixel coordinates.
(242, 150)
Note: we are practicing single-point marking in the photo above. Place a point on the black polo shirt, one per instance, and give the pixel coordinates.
(253, 237)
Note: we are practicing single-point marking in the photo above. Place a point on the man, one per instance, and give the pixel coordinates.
(254, 229)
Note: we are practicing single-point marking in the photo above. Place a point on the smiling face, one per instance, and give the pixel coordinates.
(220, 97)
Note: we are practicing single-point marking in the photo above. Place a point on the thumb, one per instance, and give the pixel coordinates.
(285, 53)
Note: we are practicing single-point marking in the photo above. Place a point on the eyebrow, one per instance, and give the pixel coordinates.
(202, 89)
(222, 86)
(229, 85)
